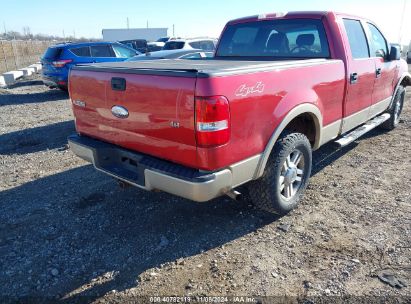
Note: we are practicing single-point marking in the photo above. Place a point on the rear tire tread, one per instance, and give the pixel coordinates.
(260, 191)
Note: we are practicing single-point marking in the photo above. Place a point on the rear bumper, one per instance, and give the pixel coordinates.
(55, 81)
(152, 173)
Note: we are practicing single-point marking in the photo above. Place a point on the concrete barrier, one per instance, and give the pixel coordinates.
(28, 71)
(12, 76)
(36, 66)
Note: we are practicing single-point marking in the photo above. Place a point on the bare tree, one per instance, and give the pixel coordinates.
(27, 32)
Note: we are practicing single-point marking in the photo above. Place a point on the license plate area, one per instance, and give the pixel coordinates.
(121, 163)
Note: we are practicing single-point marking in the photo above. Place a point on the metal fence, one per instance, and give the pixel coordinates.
(17, 54)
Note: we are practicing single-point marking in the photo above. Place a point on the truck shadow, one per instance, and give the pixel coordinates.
(80, 223)
(26, 83)
(36, 139)
(40, 97)
(329, 153)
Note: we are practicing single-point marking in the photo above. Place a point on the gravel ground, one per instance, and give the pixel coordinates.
(69, 232)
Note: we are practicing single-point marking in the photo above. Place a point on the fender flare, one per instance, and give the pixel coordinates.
(404, 75)
(306, 108)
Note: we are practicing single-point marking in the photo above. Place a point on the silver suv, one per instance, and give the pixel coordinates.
(206, 44)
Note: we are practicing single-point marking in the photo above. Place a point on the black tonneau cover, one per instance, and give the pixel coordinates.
(196, 68)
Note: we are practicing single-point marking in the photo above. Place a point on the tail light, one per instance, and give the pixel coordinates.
(61, 63)
(212, 121)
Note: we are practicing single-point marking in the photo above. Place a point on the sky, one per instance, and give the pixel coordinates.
(191, 18)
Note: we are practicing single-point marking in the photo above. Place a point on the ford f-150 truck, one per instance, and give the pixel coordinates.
(279, 86)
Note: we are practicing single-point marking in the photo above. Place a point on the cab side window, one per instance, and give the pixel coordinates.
(357, 39)
(378, 44)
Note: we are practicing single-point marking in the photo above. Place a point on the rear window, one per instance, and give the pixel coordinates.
(173, 45)
(81, 52)
(286, 38)
(53, 52)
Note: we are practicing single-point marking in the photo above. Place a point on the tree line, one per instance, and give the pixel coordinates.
(28, 35)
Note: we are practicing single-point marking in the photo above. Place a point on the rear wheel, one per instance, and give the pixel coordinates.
(395, 110)
(286, 175)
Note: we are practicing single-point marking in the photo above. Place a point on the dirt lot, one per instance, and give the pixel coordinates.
(68, 231)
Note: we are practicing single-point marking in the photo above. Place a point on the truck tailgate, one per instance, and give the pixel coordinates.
(160, 109)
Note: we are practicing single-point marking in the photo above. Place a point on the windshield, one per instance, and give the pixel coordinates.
(286, 38)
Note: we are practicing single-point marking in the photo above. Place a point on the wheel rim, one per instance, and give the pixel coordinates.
(291, 176)
(397, 110)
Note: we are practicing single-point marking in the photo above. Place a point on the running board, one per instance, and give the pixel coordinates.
(360, 131)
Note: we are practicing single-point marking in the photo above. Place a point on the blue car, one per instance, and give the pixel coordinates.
(59, 58)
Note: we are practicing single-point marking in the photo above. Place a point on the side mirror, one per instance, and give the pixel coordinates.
(395, 53)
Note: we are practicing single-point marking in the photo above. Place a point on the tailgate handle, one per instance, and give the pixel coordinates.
(118, 84)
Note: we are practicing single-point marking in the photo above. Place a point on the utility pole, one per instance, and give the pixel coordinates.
(74, 34)
(128, 24)
(4, 25)
(173, 31)
(147, 23)
(64, 35)
(402, 21)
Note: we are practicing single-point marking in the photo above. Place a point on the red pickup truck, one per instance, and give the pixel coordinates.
(279, 86)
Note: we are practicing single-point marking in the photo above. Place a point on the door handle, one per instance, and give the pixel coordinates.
(118, 84)
(353, 78)
(378, 72)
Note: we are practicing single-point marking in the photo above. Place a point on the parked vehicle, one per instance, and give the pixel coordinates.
(173, 54)
(154, 47)
(202, 44)
(139, 45)
(160, 42)
(278, 87)
(163, 39)
(59, 58)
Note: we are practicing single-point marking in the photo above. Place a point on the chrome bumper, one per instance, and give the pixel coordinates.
(201, 189)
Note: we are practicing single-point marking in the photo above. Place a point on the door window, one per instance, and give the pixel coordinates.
(81, 52)
(378, 43)
(101, 51)
(357, 39)
(195, 45)
(207, 45)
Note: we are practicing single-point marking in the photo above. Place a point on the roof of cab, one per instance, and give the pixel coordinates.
(295, 14)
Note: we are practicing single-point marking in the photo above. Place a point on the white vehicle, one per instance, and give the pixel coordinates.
(206, 44)
(160, 41)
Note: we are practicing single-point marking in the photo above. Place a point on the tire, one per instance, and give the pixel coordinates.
(395, 110)
(289, 163)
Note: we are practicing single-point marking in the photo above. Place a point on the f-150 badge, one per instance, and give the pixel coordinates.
(244, 91)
